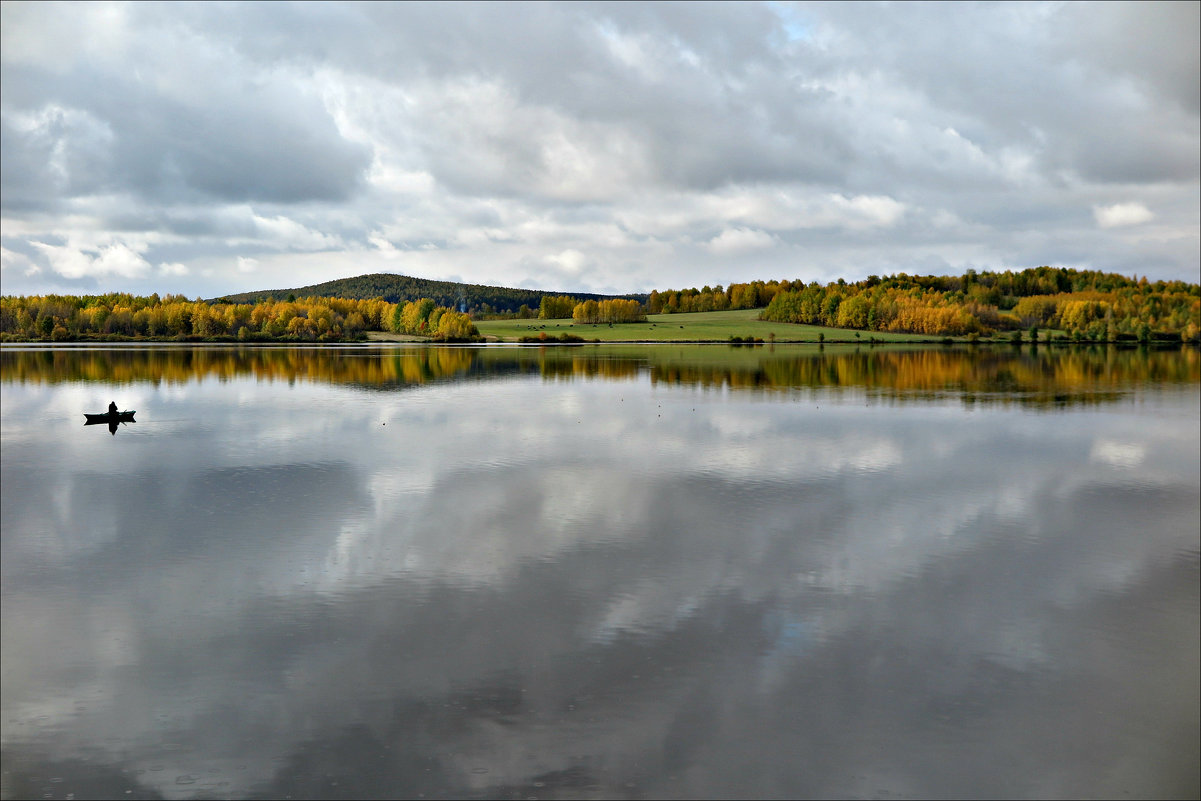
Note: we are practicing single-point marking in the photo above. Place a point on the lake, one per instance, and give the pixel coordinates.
(600, 572)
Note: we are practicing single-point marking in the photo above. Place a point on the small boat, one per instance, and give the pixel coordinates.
(110, 417)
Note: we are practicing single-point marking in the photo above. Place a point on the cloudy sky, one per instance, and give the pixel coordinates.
(614, 147)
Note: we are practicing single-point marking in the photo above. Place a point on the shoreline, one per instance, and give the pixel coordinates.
(401, 339)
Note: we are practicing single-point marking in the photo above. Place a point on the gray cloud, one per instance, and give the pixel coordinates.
(174, 118)
(467, 139)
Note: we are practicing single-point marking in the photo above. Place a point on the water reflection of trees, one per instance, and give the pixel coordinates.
(181, 365)
(1044, 376)
(1028, 377)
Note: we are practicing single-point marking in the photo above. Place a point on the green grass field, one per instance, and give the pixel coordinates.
(692, 327)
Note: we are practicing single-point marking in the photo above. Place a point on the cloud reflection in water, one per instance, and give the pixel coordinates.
(516, 585)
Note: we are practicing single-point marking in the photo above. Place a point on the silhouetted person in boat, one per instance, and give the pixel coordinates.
(112, 407)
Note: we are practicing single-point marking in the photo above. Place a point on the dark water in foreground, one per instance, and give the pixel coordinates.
(600, 572)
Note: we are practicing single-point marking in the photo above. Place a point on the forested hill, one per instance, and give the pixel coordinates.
(473, 298)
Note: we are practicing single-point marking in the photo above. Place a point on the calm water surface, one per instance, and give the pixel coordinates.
(600, 572)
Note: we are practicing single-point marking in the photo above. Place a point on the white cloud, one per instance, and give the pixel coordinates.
(740, 240)
(287, 234)
(570, 260)
(120, 259)
(11, 262)
(116, 259)
(869, 210)
(1120, 214)
(381, 244)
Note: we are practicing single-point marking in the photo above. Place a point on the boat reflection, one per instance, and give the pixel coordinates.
(113, 421)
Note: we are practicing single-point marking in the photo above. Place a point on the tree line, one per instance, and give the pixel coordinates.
(423, 317)
(62, 318)
(608, 311)
(753, 295)
(1085, 305)
(588, 312)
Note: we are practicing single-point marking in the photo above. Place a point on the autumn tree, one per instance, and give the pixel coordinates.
(556, 307)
